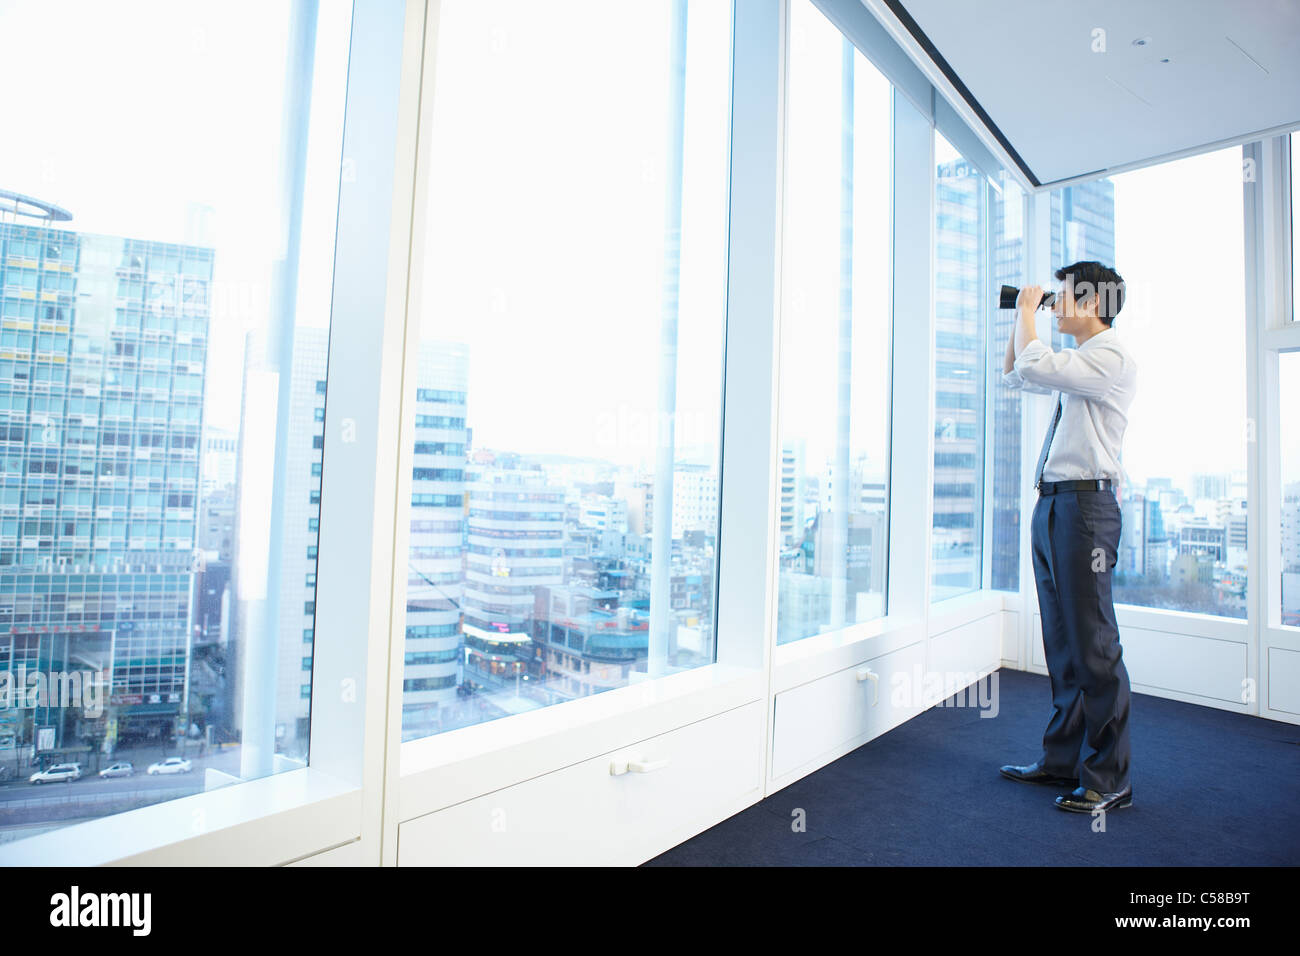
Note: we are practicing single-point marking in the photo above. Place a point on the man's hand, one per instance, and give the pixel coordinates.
(1009, 360)
(1030, 298)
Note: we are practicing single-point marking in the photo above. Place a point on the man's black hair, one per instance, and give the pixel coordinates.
(1091, 276)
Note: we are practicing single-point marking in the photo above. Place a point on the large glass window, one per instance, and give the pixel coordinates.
(961, 304)
(835, 329)
(155, 531)
(565, 485)
(1008, 211)
(1295, 237)
(1289, 426)
(1175, 234)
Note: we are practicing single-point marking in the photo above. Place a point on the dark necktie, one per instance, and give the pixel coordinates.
(1047, 442)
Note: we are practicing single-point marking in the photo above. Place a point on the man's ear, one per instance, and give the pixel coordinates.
(1086, 301)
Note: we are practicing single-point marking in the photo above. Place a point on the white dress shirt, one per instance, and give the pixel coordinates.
(1098, 381)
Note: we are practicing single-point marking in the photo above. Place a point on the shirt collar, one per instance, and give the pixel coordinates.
(1103, 335)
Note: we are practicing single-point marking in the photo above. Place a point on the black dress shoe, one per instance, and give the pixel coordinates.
(1034, 773)
(1085, 800)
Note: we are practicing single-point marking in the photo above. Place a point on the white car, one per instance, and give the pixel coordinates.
(120, 769)
(170, 765)
(60, 771)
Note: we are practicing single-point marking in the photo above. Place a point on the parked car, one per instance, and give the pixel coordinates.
(60, 771)
(120, 769)
(170, 765)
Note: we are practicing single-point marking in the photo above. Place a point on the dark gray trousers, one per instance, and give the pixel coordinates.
(1075, 537)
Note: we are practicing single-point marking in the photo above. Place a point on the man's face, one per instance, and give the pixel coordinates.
(1071, 316)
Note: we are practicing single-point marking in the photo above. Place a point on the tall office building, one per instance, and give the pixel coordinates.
(604, 513)
(1144, 543)
(220, 458)
(638, 493)
(695, 498)
(295, 579)
(1083, 228)
(103, 345)
(961, 306)
(435, 573)
(1083, 224)
(216, 539)
(1211, 485)
(791, 514)
(515, 542)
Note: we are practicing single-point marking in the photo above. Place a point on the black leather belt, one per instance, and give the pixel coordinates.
(1079, 484)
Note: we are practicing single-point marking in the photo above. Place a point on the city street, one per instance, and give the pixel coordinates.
(22, 803)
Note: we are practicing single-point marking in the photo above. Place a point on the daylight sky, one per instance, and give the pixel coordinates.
(546, 213)
(162, 120)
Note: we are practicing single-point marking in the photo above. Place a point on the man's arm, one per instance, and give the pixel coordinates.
(1013, 379)
(1010, 377)
(1025, 312)
(1089, 373)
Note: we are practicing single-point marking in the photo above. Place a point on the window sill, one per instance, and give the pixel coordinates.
(816, 656)
(1195, 623)
(964, 608)
(266, 822)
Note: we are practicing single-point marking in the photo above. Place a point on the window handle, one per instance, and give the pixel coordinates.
(646, 766)
(866, 673)
(635, 765)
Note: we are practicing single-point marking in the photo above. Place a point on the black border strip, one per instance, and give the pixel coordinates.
(896, 7)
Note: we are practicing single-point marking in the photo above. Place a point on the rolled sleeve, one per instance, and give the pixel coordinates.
(1013, 379)
(1090, 373)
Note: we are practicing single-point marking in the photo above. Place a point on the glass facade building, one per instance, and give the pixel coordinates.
(102, 351)
(1083, 228)
(961, 305)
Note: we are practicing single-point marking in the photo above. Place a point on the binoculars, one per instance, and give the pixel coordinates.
(1010, 293)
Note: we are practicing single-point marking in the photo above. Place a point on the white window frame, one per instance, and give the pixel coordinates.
(1270, 331)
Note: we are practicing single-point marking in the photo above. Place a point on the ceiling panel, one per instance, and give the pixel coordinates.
(1073, 95)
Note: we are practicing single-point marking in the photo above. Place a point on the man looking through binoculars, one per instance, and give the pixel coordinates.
(1075, 531)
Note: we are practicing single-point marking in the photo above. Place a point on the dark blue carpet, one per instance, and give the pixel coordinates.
(1210, 788)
